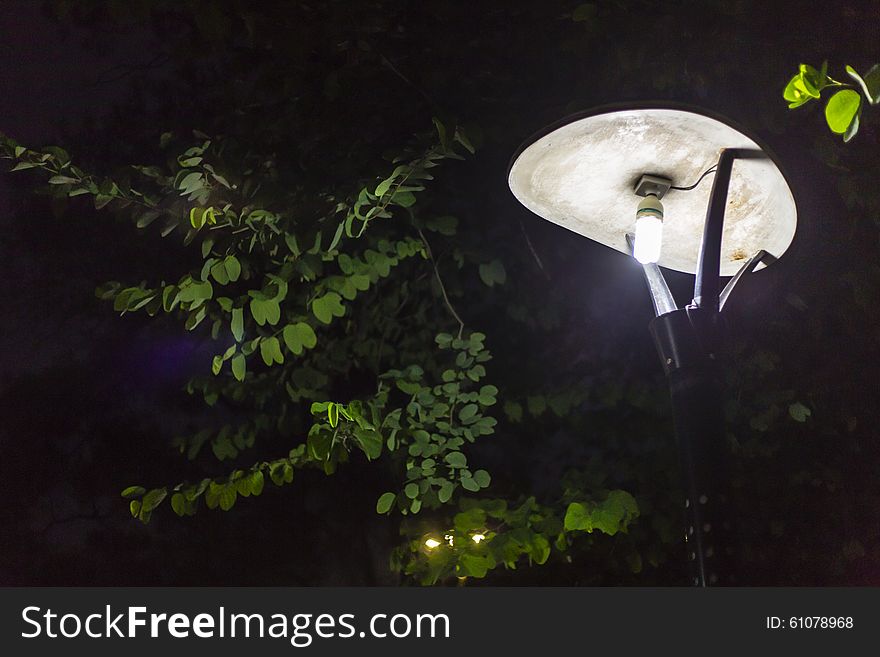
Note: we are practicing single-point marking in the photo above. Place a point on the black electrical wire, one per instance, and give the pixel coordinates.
(690, 187)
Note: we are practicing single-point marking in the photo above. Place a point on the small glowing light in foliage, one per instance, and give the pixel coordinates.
(478, 537)
(649, 230)
(432, 543)
(449, 538)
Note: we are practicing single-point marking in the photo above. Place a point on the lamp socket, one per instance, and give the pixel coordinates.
(656, 185)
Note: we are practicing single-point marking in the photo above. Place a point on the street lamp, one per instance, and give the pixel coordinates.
(629, 178)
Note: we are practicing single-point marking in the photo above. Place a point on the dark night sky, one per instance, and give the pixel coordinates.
(57, 84)
(52, 79)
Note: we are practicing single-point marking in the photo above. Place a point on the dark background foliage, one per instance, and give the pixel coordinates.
(90, 400)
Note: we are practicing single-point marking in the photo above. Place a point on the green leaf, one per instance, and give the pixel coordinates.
(170, 297)
(290, 240)
(468, 412)
(841, 110)
(147, 218)
(853, 128)
(539, 549)
(513, 410)
(473, 518)
(233, 267)
(319, 445)
(360, 282)
(872, 84)
(411, 490)
(335, 241)
(536, 405)
(133, 491)
(369, 441)
(218, 271)
(239, 367)
(195, 291)
(299, 336)
(473, 565)
(613, 514)
(861, 82)
(469, 484)
(327, 307)
(577, 518)
(190, 183)
(385, 502)
(237, 324)
(272, 311)
(189, 161)
(227, 497)
(869, 84)
(384, 186)
(270, 350)
(462, 138)
(178, 504)
(800, 89)
(799, 412)
(197, 217)
(259, 311)
(482, 478)
(152, 499)
(810, 81)
(62, 180)
(243, 486)
(456, 459)
(403, 199)
(319, 407)
(445, 492)
(492, 273)
(257, 482)
(441, 132)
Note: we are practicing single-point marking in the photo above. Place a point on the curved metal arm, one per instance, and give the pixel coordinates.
(747, 268)
(708, 282)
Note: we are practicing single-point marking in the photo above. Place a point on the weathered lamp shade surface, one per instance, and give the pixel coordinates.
(581, 174)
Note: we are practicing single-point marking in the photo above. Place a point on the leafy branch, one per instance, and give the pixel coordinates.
(489, 533)
(843, 110)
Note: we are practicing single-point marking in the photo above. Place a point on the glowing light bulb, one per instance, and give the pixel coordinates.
(478, 537)
(431, 543)
(449, 538)
(649, 230)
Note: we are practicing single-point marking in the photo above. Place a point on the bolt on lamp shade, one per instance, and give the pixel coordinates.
(581, 172)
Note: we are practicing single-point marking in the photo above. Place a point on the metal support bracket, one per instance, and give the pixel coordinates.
(708, 279)
(748, 267)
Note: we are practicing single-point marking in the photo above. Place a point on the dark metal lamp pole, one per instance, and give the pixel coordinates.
(687, 340)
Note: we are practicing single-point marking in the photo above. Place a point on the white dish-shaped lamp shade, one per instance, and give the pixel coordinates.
(581, 173)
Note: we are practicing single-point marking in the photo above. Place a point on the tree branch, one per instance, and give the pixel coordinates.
(442, 287)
